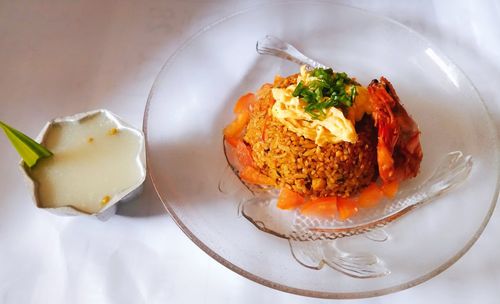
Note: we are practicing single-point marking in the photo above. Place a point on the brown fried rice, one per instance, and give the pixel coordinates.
(341, 169)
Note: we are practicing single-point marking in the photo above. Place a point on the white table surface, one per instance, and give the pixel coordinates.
(62, 57)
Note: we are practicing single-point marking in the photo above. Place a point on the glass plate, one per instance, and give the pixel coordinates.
(192, 99)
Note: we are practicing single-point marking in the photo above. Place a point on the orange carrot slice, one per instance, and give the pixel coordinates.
(347, 207)
(289, 199)
(244, 154)
(236, 127)
(244, 103)
(253, 176)
(370, 196)
(390, 189)
(324, 207)
(233, 141)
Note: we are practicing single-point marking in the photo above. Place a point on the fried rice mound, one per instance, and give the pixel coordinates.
(292, 161)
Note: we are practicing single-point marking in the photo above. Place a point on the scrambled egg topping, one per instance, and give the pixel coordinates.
(360, 106)
(334, 128)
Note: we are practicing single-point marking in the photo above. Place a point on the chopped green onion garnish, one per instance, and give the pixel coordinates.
(298, 89)
(28, 149)
(326, 91)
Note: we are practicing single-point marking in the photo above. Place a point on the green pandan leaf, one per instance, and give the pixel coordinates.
(28, 149)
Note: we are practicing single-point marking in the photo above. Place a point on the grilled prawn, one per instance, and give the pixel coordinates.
(399, 152)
